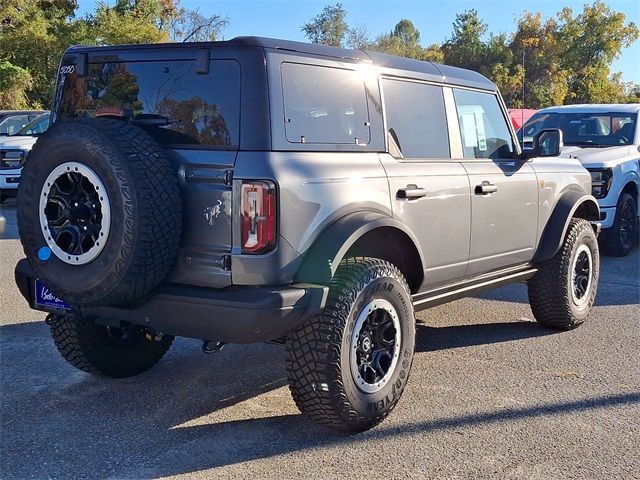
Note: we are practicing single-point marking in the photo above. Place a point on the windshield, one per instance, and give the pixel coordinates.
(36, 127)
(12, 124)
(584, 129)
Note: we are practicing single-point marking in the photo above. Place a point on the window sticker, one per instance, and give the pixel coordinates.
(482, 137)
(473, 127)
(469, 127)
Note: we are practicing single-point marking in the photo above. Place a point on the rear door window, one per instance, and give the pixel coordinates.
(483, 127)
(324, 105)
(170, 100)
(416, 119)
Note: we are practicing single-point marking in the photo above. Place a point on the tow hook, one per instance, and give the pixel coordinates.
(209, 346)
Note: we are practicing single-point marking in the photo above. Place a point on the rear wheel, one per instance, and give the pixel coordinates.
(622, 236)
(108, 351)
(563, 290)
(349, 365)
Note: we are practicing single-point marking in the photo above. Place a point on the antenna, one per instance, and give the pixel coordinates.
(524, 77)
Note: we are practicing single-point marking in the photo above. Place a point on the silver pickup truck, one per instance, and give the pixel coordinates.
(259, 190)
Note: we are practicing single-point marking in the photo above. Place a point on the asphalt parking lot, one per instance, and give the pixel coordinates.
(491, 395)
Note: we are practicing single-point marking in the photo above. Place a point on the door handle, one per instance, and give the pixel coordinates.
(485, 188)
(411, 192)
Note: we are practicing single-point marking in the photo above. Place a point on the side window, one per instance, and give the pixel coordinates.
(483, 127)
(416, 119)
(169, 99)
(324, 105)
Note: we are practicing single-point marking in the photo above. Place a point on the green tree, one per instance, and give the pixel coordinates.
(589, 42)
(14, 83)
(329, 27)
(535, 45)
(358, 38)
(33, 36)
(404, 41)
(131, 21)
(466, 48)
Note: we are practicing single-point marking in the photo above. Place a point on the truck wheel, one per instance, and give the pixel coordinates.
(348, 366)
(99, 212)
(107, 351)
(622, 236)
(563, 290)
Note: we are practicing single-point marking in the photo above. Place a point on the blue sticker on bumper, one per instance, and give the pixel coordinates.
(47, 300)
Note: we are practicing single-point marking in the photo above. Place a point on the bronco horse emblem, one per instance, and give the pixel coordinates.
(211, 213)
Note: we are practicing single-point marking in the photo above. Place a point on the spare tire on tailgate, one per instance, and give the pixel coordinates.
(99, 212)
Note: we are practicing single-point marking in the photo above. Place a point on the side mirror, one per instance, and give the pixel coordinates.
(548, 143)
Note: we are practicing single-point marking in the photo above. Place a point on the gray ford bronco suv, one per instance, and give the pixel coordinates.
(259, 190)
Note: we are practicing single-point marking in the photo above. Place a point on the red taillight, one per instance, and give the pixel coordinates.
(258, 210)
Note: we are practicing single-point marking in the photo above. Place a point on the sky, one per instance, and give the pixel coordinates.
(284, 18)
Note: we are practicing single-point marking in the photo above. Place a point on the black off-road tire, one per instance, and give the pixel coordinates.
(551, 290)
(318, 352)
(146, 211)
(611, 240)
(98, 350)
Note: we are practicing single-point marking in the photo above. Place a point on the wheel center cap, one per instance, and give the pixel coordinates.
(79, 212)
(366, 344)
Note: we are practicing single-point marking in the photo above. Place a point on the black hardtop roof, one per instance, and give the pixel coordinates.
(437, 72)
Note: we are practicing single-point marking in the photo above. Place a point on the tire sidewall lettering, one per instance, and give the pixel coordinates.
(373, 404)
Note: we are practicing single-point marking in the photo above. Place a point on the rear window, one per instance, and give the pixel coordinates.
(324, 105)
(170, 100)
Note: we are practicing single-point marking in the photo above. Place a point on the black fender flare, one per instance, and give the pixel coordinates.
(566, 208)
(321, 260)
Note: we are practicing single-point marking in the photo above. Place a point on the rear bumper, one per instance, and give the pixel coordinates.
(235, 314)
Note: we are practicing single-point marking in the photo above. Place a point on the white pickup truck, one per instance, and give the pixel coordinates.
(13, 152)
(605, 138)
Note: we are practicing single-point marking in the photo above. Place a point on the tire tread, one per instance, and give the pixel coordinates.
(313, 350)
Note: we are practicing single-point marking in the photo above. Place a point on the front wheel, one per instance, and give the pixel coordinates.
(349, 365)
(563, 290)
(116, 352)
(623, 234)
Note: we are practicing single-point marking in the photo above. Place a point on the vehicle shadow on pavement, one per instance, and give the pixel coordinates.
(58, 422)
(429, 339)
(223, 444)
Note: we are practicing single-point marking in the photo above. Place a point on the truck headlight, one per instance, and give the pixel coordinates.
(12, 159)
(601, 182)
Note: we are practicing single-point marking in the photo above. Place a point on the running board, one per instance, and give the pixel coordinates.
(425, 300)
